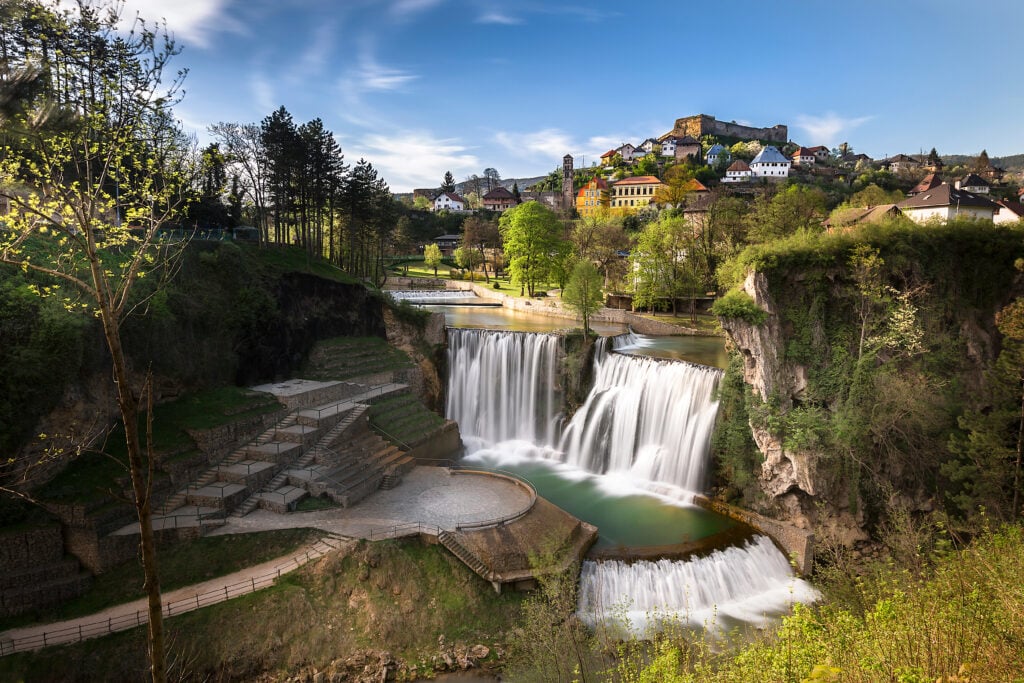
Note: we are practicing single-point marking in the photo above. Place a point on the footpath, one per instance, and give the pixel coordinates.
(428, 497)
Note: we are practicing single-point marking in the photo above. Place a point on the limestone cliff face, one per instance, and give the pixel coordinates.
(788, 478)
(425, 347)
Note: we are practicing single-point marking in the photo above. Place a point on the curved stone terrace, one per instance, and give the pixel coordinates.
(428, 496)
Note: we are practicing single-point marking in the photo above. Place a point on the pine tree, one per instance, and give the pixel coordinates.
(448, 184)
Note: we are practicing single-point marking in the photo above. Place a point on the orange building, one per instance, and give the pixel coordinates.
(592, 197)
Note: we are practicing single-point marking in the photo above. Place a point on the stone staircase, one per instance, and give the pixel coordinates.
(262, 473)
(468, 557)
(278, 492)
(349, 474)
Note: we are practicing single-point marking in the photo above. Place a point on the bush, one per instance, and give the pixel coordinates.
(739, 305)
(497, 285)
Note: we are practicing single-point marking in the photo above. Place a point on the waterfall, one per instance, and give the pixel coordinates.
(651, 419)
(502, 385)
(645, 419)
(751, 584)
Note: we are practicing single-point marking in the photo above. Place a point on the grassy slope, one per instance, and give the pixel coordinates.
(398, 596)
(180, 565)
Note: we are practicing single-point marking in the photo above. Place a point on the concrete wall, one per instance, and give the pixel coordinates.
(798, 544)
(443, 444)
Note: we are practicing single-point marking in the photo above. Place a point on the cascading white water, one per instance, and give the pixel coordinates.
(748, 584)
(432, 296)
(646, 418)
(502, 385)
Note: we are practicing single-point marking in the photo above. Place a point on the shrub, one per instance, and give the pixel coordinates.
(739, 305)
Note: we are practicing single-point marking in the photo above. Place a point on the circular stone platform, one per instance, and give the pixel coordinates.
(428, 495)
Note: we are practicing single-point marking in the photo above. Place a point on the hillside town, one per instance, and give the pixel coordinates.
(702, 159)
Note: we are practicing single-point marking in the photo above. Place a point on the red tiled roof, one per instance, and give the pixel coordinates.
(738, 165)
(609, 153)
(694, 185)
(638, 180)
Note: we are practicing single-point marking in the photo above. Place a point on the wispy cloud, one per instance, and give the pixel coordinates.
(314, 57)
(409, 159)
(497, 17)
(404, 9)
(262, 92)
(370, 74)
(829, 128)
(551, 144)
(193, 22)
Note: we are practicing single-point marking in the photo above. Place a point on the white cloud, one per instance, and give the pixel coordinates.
(408, 159)
(828, 129)
(191, 22)
(497, 17)
(402, 9)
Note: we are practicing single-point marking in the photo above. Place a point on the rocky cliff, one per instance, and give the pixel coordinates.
(859, 353)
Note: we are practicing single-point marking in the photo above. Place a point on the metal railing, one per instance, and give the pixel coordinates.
(123, 622)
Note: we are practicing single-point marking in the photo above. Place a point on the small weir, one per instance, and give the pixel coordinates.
(442, 297)
(628, 461)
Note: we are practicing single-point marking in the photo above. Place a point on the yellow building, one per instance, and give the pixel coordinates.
(592, 198)
(629, 195)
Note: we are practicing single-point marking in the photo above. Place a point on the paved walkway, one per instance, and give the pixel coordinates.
(430, 496)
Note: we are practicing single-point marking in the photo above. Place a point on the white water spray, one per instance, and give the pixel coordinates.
(752, 584)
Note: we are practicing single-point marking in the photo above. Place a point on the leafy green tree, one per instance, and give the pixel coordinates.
(96, 188)
(432, 256)
(532, 239)
(600, 239)
(582, 294)
(797, 207)
(657, 263)
(481, 234)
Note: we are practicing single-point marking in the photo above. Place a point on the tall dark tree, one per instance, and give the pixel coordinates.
(934, 160)
(280, 139)
(982, 162)
(448, 183)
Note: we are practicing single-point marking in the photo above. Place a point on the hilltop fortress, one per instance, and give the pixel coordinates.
(702, 124)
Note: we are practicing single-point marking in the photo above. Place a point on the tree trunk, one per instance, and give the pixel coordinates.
(1016, 468)
(127, 402)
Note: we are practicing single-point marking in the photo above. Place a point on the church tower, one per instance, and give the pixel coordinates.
(568, 189)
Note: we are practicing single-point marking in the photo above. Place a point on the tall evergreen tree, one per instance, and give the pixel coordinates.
(448, 183)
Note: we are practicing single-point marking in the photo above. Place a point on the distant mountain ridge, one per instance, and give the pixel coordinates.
(1013, 162)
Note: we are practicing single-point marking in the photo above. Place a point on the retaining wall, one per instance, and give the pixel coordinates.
(798, 544)
(439, 445)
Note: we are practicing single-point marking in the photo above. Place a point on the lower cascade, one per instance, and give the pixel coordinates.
(645, 422)
(736, 585)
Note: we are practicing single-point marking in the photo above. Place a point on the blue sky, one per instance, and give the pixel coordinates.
(419, 87)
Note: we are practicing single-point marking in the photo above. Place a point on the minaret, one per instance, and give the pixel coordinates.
(568, 191)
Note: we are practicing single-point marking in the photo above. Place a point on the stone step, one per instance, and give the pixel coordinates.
(252, 474)
(222, 494)
(274, 451)
(300, 434)
(281, 500)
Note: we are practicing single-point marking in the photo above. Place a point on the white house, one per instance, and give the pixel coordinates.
(770, 163)
(649, 145)
(715, 152)
(972, 182)
(738, 172)
(627, 152)
(944, 203)
(449, 201)
(1009, 212)
(804, 157)
(668, 147)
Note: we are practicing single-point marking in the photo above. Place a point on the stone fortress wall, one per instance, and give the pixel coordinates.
(702, 124)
